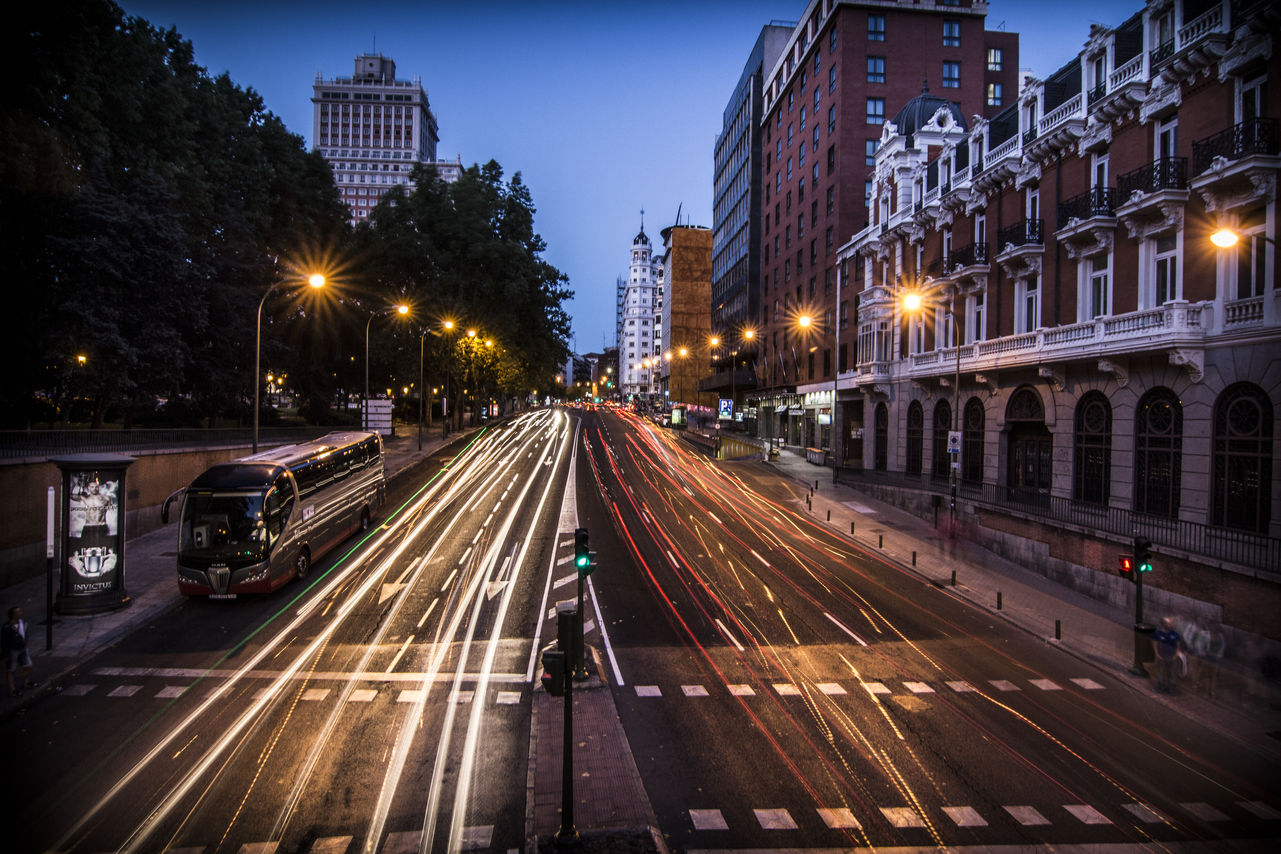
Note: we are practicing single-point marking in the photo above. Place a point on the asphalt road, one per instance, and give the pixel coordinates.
(781, 687)
(382, 700)
(785, 688)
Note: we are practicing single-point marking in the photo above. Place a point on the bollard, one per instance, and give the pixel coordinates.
(816, 486)
(851, 527)
(998, 600)
(1058, 630)
(954, 578)
(829, 515)
(914, 557)
(880, 541)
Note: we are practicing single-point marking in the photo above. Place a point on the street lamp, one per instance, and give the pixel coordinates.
(315, 280)
(399, 309)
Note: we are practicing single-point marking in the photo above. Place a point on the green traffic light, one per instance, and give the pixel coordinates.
(583, 560)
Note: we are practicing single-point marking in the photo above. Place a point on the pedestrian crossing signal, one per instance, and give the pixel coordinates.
(1143, 554)
(582, 556)
(1126, 567)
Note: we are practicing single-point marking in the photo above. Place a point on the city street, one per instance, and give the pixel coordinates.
(781, 686)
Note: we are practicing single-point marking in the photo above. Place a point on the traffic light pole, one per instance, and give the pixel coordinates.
(1142, 631)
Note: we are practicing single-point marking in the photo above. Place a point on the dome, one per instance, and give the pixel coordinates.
(918, 111)
(640, 238)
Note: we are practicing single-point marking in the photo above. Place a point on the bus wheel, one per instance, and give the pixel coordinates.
(302, 563)
(364, 520)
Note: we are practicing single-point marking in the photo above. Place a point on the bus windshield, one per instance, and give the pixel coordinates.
(224, 526)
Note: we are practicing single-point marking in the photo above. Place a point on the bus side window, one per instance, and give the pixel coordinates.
(280, 502)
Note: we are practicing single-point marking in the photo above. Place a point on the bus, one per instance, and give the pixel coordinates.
(250, 525)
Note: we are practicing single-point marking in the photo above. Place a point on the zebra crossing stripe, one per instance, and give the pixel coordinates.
(170, 691)
(775, 819)
(402, 842)
(259, 848)
(786, 689)
(903, 817)
(1046, 685)
(839, 818)
(1088, 684)
(965, 816)
(1204, 811)
(1145, 813)
(1260, 810)
(362, 695)
(508, 698)
(331, 845)
(742, 690)
(960, 687)
(875, 688)
(918, 687)
(648, 691)
(1027, 816)
(1087, 814)
(410, 695)
(694, 691)
(831, 688)
(125, 691)
(708, 820)
(77, 690)
(1003, 685)
(312, 695)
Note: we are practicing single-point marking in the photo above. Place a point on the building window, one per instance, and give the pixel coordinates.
(951, 34)
(972, 442)
(995, 59)
(869, 152)
(1158, 453)
(951, 75)
(915, 437)
(1166, 259)
(867, 194)
(1243, 428)
(802, 117)
(831, 159)
(995, 93)
(875, 28)
(875, 111)
(816, 144)
(831, 79)
(831, 201)
(1092, 450)
(831, 120)
(818, 96)
(1028, 297)
(1252, 256)
(942, 424)
(876, 69)
(1098, 295)
(881, 441)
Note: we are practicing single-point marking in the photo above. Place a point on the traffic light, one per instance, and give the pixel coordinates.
(1142, 554)
(1126, 567)
(582, 554)
(553, 677)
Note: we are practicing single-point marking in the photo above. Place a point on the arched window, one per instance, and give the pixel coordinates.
(972, 441)
(1242, 486)
(1092, 449)
(1158, 453)
(942, 424)
(915, 437)
(1030, 466)
(882, 437)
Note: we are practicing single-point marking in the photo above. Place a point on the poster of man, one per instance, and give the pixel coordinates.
(93, 531)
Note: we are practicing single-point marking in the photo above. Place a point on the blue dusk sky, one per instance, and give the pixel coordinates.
(604, 108)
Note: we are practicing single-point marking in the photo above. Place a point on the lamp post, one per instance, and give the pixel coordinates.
(399, 309)
(315, 280)
(912, 302)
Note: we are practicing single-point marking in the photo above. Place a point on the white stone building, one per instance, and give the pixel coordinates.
(640, 333)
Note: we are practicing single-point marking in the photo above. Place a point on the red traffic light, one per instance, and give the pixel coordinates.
(1126, 566)
(553, 677)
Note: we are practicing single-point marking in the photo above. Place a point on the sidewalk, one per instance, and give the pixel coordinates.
(150, 581)
(1248, 710)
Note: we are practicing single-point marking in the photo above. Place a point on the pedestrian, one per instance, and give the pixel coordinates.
(1168, 644)
(13, 646)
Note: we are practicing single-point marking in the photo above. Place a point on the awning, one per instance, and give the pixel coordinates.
(782, 407)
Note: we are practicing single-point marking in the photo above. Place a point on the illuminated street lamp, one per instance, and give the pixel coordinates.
(399, 309)
(315, 280)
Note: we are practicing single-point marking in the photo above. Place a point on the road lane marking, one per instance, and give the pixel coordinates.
(858, 640)
(839, 818)
(775, 819)
(170, 691)
(1046, 684)
(1260, 810)
(918, 687)
(508, 698)
(1027, 816)
(708, 820)
(1204, 811)
(876, 688)
(742, 691)
(331, 845)
(427, 613)
(965, 816)
(396, 660)
(1087, 814)
(1088, 684)
(648, 691)
(960, 687)
(125, 691)
(1146, 814)
(694, 691)
(1003, 685)
(787, 689)
(729, 636)
(561, 582)
(902, 817)
(832, 689)
(312, 695)
(362, 695)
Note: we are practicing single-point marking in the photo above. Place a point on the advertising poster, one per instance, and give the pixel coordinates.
(678, 416)
(93, 531)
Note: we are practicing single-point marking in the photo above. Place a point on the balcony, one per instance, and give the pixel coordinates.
(1093, 203)
(1126, 89)
(969, 262)
(1087, 222)
(1160, 54)
(999, 164)
(1151, 199)
(1058, 129)
(1168, 173)
(1234, 168)
(1020, 247)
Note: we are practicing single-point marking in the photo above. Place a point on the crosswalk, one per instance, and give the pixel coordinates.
(874, 688)
(967, 816)
(477, 838)
(502, 695)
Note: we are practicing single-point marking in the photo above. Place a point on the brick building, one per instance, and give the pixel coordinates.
(845, 67)
(686, 318)
(1085, 365)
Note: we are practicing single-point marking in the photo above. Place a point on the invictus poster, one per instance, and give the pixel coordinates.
(93, 532)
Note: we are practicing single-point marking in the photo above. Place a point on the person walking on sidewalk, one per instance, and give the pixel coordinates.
(1168, 642)
(13, 646)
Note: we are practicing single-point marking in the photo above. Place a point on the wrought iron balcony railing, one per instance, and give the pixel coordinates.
(1168, 173)
(1253, 136)
(1096, 201)
(1161, 53)
(967, 256)
(1025, 232)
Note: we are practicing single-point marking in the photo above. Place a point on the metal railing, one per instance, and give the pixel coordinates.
(1096, 201)
(1243, 548)
(1168, 173)
(1161, 53)
(1021, 233)
(1254, 136)
(967, 256)
(25, 444)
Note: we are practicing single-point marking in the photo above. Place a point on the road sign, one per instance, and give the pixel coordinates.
(954, 441)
